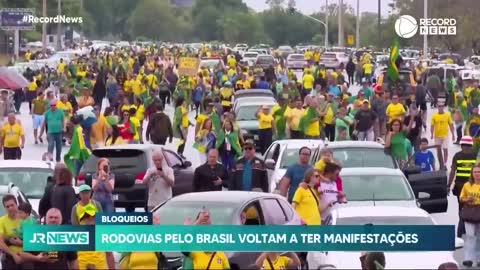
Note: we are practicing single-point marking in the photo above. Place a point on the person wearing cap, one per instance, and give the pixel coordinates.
(364, 121)
(441, 122)
(249, 172)
(462, 164)
(79, 209)
(226, 95)
(55, 120)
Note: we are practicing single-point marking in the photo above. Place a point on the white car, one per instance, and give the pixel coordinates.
(382, 215)
(28, 175)
(283, 153)
(250, 57)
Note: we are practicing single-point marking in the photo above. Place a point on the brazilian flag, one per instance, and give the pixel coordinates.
(306, 119)
(78, 150)
(392, 68)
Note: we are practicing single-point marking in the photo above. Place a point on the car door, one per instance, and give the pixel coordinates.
(183, 176)
(271, 157)
(272, 211)
(430, 188)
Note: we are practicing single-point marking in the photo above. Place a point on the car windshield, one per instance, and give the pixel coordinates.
(296, 57)
(373, 188)
(289, 157)
(210, 64)
(121, 160)
(265, 60)
(328, 56)
(247, 113)
(363, 157)
(175, 212)
(384, 220)
(250, 55)
(32, 181)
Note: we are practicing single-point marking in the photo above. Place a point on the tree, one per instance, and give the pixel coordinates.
(243, 27)
(275, 3)
(154, 19)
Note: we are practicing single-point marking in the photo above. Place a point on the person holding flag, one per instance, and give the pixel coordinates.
(279, 111)
(228, 144)
(181, 124)
(310, 122)
(78, 152)
(393, 63)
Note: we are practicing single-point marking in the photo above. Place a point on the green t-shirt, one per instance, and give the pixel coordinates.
(54, 120)
(340, 123)
(398, 146)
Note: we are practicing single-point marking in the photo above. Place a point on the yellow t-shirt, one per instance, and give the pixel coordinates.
(32, 86)
(231, 72)
(98, 130)
(306, 206)
(308, 80)
(201, 259)
(66, 107)
(294, 115)
(97, 258)
(468, 90)
(139, 260)
(440, 123)
(280, 262)
(8, 228)
(140, 114)
(313, 129)
(138, 88)
(472, 190)
(232, 62)
(200, 118)
(184, 117)
(320, 165)
(329, 116)
(265, 121)
(11, 135)
(395, 111)
(27, 56)
(81, 74)
(136, 124)
(61, 67)
(152, 80)
(367, 68)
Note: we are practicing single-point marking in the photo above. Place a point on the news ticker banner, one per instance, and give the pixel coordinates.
(169, 238)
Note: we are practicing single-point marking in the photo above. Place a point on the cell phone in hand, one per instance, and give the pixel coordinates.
(105, 168)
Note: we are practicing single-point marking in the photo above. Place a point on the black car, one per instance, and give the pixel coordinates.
(129, 163)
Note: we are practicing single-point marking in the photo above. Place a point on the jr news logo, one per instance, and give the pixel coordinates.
(61, 238)
(406, 26)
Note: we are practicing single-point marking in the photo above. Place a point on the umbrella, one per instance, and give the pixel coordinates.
(11, 79)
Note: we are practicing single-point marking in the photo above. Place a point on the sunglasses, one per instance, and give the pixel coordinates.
(248, 148)
(316, 176)
(305, 154)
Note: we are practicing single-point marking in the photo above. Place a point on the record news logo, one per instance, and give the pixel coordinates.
(407, 26)
(61, 238)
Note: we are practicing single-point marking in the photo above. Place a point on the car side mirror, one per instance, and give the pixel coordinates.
(270, 164)
(187, 164)
(459, 243)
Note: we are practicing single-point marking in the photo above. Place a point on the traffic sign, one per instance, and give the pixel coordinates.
(15, 18)
(350, 40)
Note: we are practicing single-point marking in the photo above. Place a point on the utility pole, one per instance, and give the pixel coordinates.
(379, 22)
(340, 24)
(425, 40)
(44, 28)
(59, 26)
(326, 24)
(357, 30)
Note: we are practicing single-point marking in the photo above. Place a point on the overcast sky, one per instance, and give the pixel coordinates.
(312, 6)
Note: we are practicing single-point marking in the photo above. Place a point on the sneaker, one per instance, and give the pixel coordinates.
(40, 139)
(467, 263)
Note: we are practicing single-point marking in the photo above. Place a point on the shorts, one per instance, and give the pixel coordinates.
(422, 106)
(444, 142)
(37, 121)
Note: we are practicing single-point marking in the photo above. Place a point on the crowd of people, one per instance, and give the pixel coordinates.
(120, 97)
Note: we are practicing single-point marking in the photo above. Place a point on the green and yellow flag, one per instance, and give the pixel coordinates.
(392, 68)
(78, 150)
